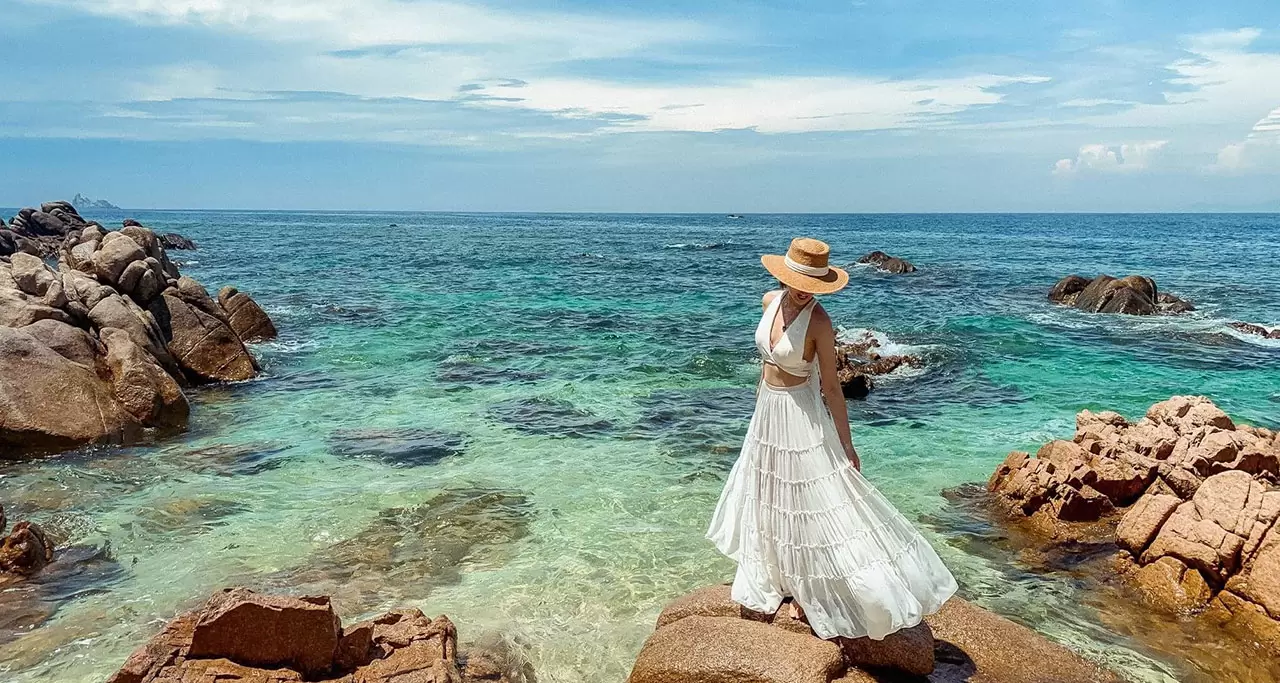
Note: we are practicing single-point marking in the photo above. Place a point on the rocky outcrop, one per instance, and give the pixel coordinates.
(172, 240)
(1256, 330)
(1188, 496)
(859, 361)
(887, 263)
(246, 317)
(40, 232)
(705, 637)
(1132, 295)
(23, 552)
(244, 636)
(82, 202)
(99, 350)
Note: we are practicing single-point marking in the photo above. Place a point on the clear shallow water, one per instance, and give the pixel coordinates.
(523, 421)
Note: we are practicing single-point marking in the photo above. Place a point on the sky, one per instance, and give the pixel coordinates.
(659, 106)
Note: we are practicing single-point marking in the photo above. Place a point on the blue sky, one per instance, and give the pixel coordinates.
(861, 105)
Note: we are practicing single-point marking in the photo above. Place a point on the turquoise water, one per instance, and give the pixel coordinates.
(523, 421)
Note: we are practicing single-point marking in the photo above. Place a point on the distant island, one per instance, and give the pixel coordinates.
(82, 202)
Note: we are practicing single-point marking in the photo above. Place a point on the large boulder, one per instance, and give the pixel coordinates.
(887, 263)
(140, 385)
(246, 317)
(243, 636)
(26, 550)
(206, 348)
(267, 631)
(1130, 295)
(115, 254)
(705, 637)
(48, 402)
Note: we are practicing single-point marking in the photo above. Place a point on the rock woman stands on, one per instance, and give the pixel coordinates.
(796, 514)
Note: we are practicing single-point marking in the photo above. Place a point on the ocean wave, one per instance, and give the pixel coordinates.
(1203, 321)
(888, 347)
(697, 245)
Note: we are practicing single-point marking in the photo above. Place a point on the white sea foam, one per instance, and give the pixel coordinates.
(887, 347)
(696, 245)
(1201, 321)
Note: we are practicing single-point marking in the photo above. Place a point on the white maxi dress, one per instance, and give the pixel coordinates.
(801, 522)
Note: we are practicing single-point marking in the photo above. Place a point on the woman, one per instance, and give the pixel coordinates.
(796, 514)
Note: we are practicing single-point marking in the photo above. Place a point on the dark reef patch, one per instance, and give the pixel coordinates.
(549, 417)
(423, 546)
(399, 447)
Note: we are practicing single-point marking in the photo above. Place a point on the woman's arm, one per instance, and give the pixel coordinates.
(824, 336)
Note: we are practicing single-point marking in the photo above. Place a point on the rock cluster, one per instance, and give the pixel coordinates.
(23, 552)
(1132, 295)
(240, 635)
(705, 637)
(1199, 499)
(100, 348)
(887, 263)
(1256, 330)
(857, 362)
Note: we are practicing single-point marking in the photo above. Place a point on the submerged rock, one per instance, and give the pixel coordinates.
(240, 635)
(24, 551)
(706, 637)
(1132, 295)
(887, 263)
(408, 446)
(420, 545)
(549, 417)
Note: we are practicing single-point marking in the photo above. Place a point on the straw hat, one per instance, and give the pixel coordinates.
(805, 267)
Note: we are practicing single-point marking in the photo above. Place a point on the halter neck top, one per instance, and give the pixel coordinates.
(788, 353)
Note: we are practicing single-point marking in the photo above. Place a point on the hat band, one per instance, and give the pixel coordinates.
(806, 270)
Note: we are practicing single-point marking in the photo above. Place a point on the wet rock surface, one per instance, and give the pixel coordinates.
(240, 635)
(99, 349)
(1189, 498)
(421, 545)
(1131, 295)
(859, 361)
(1256, 330)
(887, 263)
(705, 637)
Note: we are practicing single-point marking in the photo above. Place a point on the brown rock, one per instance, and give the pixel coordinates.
(141, 385)
(1067, 289)
(1170, 586)
(1188, 413)
(268, 631)
(700, 649)
(71, 343)
(1231, 611)
(1004, 652)
(909, 650)
(48, 402)
(1141, 522)
(26, 550)
(206, 348)
(1066, 455)
(1259, 582)
(247, 318)
(114, 254)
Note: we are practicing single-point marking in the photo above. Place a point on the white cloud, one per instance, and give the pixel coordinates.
(354, 24)
(767, 105)
(1125, 158)
(1259, 149)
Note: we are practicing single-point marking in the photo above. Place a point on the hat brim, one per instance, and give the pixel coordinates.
(832, 282)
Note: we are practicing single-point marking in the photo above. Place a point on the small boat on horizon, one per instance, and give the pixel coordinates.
(735, 215)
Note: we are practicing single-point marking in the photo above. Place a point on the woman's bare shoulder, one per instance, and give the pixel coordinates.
(821, 322)
(769, 297)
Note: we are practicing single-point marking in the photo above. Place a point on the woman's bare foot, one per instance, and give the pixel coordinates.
(795, 610)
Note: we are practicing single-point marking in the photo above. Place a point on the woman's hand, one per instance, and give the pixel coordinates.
(853, 456)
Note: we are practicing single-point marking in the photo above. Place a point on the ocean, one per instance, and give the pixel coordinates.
(524, 421)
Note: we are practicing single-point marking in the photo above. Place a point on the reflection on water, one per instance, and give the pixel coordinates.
(534, 447)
